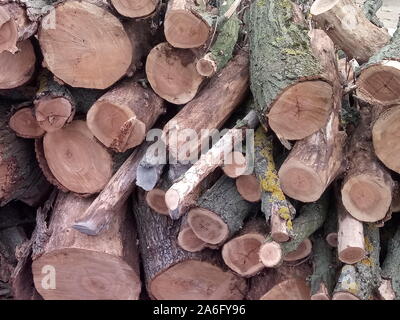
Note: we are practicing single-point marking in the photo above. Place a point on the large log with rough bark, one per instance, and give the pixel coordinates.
(71, 265)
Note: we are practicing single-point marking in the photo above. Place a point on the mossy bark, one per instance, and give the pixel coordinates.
(390, 266)
(370, 8)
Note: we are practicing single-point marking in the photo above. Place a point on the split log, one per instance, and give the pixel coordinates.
(219, 213)
(122, 116)
(105, 267)
(81, 172)
(287, 78)
(350, 237)
(235, 164)
(172, 73)
(228, 26)
(24, 124)
(170, 272)
(54, 104)
(17, 69)
(276, 208)
(248, 187)
(349, 28)
(390, 266)
(241, 253)
(359, 281)
(322, 281)
(136, 8)
(311, 218)
(101, 212)
(379, 80)
(182, 193)
(15, 26)
(94, 58)
(367, 187)
(187, 23)
(220, 97)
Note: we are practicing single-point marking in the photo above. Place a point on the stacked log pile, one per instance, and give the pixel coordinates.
(229, 150)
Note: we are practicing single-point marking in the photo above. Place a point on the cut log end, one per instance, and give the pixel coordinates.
(24, 124)
(8, 32)
(344, 296)
(207, 226)
(351, 255)
(235, 164)
(172, 199)
(188, 241)
(300, 181)
(176, 283)
(241, 254)
(303, 250)
(321, 294)
(249, 188)
(206, 66)
(85, 274)
(156, 200)
(292, 289)
(81, 172)
(52, 113)
(172, 73)
(332, 239)
(136, 8)
(366, 198)
(320, 6)
(183, 29)
(306, 106)
(271, 254)
(107, 122)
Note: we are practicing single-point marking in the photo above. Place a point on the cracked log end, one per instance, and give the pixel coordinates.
(271, 254)
(24, 124)
(303, 250)
(156, 200)
(249, 188)
(135, 8)
(53, 113)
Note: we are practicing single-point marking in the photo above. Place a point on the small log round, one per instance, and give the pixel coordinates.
(135, 8)
(271, 254)
(24, 124)
(188, 241)
(235, 164)
(155, 199)
(303, 250)
(249, 188)
(53, 113)
(292, 289)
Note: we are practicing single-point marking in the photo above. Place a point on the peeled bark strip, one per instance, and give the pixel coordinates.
(170, 271)
(105, 267)
(182, 193)
(14, 26)
(219, 213)
(359, 281)
(311, 218)
(227, 35)
(350, 237)
(17, 69)
(86, 47)
(172, 73)
(241, 253)
(24, 124)
(274, 204)
(367, 187)
(304, 92)
(323, 278)
(187, 23)
(135, 8)
(391, 264)
(54, 104)
(248, 187)
(349, 29)
(379, 80)
(384, 131)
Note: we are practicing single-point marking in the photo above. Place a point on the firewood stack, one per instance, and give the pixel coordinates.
(113, 184)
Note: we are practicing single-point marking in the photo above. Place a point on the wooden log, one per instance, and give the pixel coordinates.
(349, 28)
(322, 281)
(311, 218)
(95, 58)
(240, 254)
(379, 79)
(302, 251)
(220, 97)
(304, 92)
(219, 212)
(172, 73)
(248, 187)
(390, 266)
(331, 227)
(17, 69)
(24, 124)
(235, 164)
(228, 26)
(276, 208)
(101, 212)
(359, 281)
(182, 193)
(15, 26)
(187, 239)
(350, 237)
(136, 8)
(105, 267)
(188, 23)
(169, 271)
(133, 110)
(367, 187)
(370, 8)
